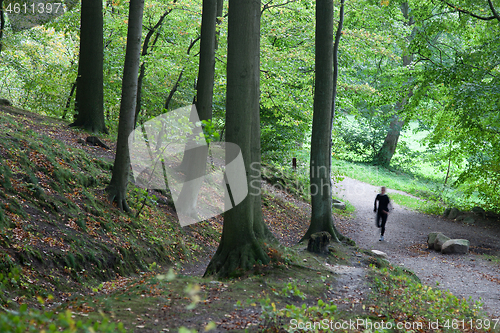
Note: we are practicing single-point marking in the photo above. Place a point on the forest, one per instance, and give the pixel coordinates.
(178, 165)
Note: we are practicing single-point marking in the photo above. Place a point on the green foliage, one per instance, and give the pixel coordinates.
(361, 137)
(26, 319)
(34, 320)
(291, 290)
(290, 317)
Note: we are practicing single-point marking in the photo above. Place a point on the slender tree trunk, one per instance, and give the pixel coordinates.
(336, 44)
(117, 189)
(145, 49)
(68, 101)
(239, 247)
(321, 193)
(2, 24)
(173, 90)
(449, 164)
(89, 92)
(338, 35)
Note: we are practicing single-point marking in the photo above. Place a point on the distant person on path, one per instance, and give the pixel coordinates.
(383, 210)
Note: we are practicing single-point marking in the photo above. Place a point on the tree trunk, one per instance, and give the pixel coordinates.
(321, 193)
(220, 12)
(336, 44)
(117, 189)
(173, 90)
(144, 52)
(239, 248)
(68, 101)
(2, 24)
(206, 71)
(195, 156)
(384, 155)
(89, 92)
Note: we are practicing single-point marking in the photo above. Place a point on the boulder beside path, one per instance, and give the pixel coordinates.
(439, 242)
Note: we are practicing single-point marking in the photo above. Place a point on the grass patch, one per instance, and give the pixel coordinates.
(423, 206)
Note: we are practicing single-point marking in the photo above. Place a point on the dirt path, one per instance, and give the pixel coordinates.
(405, 243)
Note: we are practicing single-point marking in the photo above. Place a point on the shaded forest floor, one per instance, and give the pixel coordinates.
(59, 236)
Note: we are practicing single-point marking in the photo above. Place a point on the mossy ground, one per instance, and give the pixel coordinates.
(57, 226)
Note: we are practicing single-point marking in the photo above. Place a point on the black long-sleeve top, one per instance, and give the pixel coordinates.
(383, 202)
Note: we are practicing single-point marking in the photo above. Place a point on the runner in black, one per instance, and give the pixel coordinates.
(383, 210)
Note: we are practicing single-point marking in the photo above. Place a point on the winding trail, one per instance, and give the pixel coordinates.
(405, 244)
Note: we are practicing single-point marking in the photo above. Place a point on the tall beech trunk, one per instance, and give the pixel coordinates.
(220, 12)
(321, 191)
(117, 189)
(89, 91)
(384, 155)
(206, 71)
(195, 159)
(240, 247)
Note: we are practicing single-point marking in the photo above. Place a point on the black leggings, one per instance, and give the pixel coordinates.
(382, 216)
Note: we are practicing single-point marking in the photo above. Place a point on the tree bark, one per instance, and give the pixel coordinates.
(240, 248)
(195, 159)
(220, 12)
(117, 189)
(89, 92)
(321, 193)
(2, 24)
(385, 153)
(206, 71)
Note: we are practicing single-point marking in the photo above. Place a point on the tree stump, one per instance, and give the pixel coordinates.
(318, 243)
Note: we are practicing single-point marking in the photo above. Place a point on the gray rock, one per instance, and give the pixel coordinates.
(460, 218)
(478, 210)
(469, 220)
(446, 212)
(380, 254)
(431, 238)
(439, 241)
(338, 204)
(453, 213)
(458, 246)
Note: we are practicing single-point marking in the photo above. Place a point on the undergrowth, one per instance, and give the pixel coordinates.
(398, 303)
(57, 226)
(400, 299)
